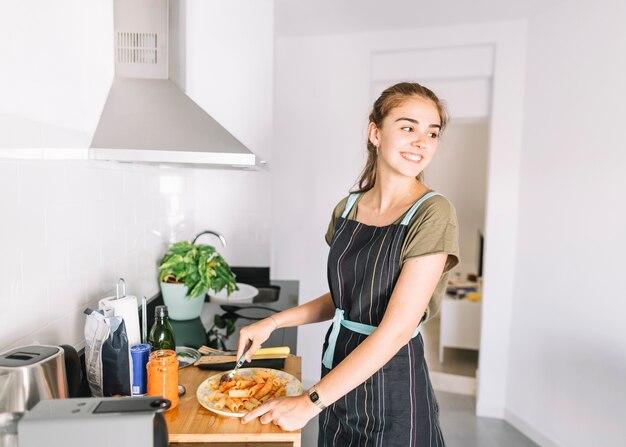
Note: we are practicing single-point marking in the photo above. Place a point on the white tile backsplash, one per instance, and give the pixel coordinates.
(70, 229)
(236, 204)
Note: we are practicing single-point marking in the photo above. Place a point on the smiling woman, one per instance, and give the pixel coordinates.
(396, 111)
(392, 244)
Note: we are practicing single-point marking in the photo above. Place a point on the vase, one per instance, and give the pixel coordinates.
(179, 305)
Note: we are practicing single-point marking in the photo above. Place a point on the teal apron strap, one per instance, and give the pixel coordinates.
(360, 328)
(416, 205)
(349, 204)
(327, 359)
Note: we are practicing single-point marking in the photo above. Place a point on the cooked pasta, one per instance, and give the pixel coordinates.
(246, 393)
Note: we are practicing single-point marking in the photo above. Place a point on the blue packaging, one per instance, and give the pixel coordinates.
(140, 355)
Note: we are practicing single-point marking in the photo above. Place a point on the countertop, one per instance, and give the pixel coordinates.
(190, 424)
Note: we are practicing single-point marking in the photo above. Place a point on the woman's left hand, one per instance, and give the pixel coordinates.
(289, 413)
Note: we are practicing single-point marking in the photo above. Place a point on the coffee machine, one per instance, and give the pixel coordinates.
(35, 410)
(96, 422)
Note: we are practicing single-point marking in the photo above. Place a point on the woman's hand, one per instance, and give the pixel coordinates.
(257, 333)
(289, 413)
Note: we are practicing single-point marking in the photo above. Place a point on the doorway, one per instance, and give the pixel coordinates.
(452, 338)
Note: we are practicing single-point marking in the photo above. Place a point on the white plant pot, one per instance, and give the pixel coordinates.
(179, 305)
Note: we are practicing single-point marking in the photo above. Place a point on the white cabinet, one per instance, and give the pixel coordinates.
(459, 324)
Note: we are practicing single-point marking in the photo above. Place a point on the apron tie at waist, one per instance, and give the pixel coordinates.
(360, 328)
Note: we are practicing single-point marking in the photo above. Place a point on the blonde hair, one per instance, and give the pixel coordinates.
(388, 100)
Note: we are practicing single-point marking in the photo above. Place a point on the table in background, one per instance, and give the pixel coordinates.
(190, 424)
(459, 324)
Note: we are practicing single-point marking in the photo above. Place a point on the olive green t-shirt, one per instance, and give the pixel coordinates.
(432, 229)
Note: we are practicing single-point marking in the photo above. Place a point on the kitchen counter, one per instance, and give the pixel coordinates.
(190, 424)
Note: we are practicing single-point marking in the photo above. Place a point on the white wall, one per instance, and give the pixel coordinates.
(230, 73)
(57, 62)
(568, 343)
(323, 90)
(237, 205)
(321, 116)
(70, 230)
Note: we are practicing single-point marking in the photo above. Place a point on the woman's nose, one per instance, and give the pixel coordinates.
(418, 141)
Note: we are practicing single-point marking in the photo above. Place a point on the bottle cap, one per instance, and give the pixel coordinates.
(160, 311)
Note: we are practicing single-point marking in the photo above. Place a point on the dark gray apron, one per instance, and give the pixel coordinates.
(396, 406)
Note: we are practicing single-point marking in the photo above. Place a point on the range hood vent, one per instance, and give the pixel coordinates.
(147, 117)
(136, 48)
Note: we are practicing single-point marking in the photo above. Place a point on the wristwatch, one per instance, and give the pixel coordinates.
(315, 397)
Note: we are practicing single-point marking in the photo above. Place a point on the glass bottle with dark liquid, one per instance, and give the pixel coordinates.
(162, 334)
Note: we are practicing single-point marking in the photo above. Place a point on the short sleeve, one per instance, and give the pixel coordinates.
(434, 229)
(337, 212)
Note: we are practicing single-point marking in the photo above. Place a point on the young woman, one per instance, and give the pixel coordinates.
(392, 244)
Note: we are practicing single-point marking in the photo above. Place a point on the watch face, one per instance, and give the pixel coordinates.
(314, 396)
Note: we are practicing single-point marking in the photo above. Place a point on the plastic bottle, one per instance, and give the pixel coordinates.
(162, 334)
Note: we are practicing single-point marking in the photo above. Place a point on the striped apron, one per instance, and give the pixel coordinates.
(396, 406)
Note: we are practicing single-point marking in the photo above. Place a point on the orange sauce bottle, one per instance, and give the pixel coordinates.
(163, 375)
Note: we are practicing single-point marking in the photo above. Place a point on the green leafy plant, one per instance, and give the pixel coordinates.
(199, 267)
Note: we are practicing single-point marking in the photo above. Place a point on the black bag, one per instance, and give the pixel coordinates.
(115, 362)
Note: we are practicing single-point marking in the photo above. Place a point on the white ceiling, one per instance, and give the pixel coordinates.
(305, 17)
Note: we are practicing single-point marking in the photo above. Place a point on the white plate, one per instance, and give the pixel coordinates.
(245, 294)
(293, 386)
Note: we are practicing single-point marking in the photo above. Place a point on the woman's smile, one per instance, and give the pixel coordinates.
(414, 158)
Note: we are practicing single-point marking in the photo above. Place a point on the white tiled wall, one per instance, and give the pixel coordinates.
(69, 229)
(237, 204)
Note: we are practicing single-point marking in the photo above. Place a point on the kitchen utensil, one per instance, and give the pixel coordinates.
(96, 422)
(229, 376)
(293, 388)
(252, 313)
(144, 320)
(216, 359)
(29, 374)
(205, 350)
(278, 364)
(282, 350)
(186, 356)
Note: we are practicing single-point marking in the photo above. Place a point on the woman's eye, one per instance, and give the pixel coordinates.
(433, 135)
(407, 129)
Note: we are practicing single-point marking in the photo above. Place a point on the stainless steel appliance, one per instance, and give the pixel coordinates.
(147, 117)
(29, 374)
(95, 422)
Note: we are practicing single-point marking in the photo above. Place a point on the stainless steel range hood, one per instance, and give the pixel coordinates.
(147, 117)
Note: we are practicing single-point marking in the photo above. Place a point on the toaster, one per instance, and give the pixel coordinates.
(29, 374)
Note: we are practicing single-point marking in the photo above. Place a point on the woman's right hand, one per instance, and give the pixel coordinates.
(256, 333)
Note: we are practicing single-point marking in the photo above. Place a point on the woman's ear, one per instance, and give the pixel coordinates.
(372, 134)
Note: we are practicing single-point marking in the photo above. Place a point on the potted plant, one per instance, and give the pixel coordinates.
(187, 272)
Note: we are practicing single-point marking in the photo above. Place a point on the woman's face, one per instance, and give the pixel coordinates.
(408, 138)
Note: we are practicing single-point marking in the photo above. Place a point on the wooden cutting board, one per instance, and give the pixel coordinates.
(190, 423)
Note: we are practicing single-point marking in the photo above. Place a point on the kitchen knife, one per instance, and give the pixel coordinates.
(267, 363)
